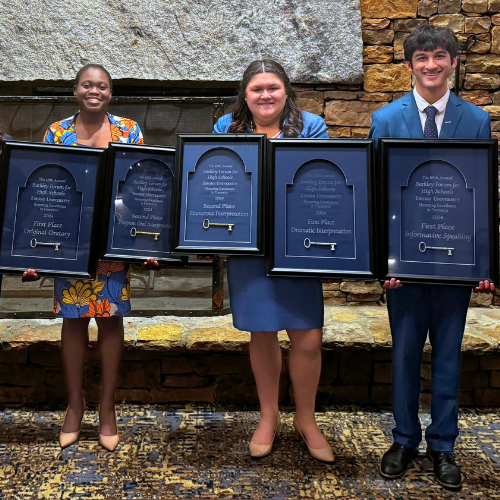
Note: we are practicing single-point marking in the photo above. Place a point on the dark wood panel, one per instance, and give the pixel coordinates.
(160, 120)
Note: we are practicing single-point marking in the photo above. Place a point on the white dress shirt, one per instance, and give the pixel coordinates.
(440, 105)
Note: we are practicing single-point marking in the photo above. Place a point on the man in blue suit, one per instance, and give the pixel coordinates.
(415, 310)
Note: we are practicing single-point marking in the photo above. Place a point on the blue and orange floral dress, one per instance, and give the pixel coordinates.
(109, 294)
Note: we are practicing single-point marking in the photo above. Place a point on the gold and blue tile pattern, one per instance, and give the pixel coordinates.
(201, 452)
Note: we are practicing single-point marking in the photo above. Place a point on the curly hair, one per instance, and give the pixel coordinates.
(242, 116)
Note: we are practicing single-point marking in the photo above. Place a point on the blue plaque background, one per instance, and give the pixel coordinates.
(29, 207)
(435, 195)
(320, 209)
(142, 199)
(219, 183)
(49, 209)
(321, 193)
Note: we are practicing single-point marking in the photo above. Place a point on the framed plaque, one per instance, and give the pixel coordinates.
(139, 195)
(220, 193)
(50, 205)
(440, 210)
(322, 210)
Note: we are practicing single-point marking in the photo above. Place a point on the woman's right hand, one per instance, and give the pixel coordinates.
(394, 283)
(30, 275)
(151, 264)
(205, 257)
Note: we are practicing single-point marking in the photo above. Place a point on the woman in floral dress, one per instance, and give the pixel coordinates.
(107, 298)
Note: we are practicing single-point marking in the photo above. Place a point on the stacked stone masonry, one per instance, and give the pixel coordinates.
(347, 109)
(173, 359)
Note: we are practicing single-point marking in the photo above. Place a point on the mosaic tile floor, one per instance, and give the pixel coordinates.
(201, 452)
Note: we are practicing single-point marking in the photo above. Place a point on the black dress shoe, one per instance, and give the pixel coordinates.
(446, 471)
(396, 460)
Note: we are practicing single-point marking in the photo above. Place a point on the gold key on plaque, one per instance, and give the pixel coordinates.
(207, 224)
(134, 232)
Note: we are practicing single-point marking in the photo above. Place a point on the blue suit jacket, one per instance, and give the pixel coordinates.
(314, 125)
(401, 119)
(416, 309)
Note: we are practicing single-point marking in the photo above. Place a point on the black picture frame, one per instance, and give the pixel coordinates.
(468, 211)
(310, 180)
(235, 196)
(136, 228)
(40, 208)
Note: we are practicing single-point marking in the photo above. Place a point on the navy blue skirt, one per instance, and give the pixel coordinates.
(263, 303)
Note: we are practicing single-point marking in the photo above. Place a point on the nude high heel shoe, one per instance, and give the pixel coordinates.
(262, 450)
(323, 454)
(68, 438)
(110, 442)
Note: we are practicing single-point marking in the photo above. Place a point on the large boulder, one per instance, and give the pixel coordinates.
(176, 40)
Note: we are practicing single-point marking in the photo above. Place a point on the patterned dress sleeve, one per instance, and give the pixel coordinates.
(135, 136)
(48, 138)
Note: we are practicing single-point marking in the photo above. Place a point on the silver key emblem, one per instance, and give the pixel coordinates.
(423, 248)
(34, 243)
(308, 243)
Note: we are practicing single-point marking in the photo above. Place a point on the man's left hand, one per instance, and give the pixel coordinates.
(485, 287)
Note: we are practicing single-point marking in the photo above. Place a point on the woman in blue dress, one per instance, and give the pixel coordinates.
(263, 305)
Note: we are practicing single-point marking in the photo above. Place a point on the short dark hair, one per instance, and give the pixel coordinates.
(428, 38)
(242, 116)
(96, 66)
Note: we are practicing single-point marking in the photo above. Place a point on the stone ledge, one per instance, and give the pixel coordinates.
(173, 359)
(361, 327)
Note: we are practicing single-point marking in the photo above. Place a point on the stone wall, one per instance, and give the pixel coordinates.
(349, 376)
(172, 359)
(347, 109)
(180, 40)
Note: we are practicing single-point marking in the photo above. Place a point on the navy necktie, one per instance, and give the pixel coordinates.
(430, 129)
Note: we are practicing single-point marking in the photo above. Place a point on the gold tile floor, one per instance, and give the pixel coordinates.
(201, 452)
